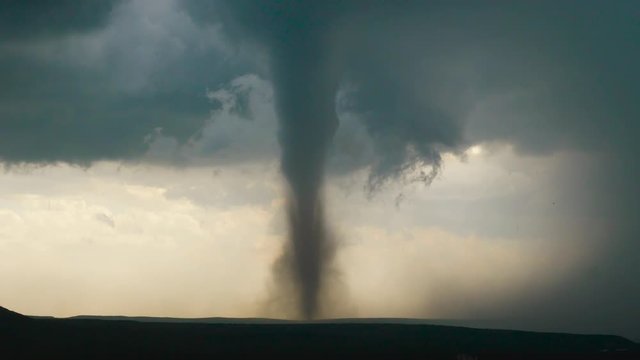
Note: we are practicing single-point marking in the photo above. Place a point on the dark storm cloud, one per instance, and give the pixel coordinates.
(428, 76)
(84, 83)
(41, 18)
(540, 75)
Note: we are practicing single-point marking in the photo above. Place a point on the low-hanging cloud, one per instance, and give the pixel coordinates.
(44, 18)
(95, 92)
(423, 77)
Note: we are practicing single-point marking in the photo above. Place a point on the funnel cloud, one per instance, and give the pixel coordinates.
(305, 98)
(297, 39)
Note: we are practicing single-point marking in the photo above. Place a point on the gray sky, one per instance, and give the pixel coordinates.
(140, 137)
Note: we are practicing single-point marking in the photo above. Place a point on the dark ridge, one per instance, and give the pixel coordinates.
(167, 338)
(8, 315)
(207, 320)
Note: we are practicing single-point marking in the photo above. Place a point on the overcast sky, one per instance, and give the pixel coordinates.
(484, 164)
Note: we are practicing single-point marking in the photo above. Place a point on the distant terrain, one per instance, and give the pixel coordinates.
(87, 337)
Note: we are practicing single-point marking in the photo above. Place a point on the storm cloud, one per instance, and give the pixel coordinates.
(43, 18)
(423, 77)
(96, 90)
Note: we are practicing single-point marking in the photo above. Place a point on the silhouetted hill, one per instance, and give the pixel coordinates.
(209, 320)
(8, 315)
(83, 338)
(497, 324)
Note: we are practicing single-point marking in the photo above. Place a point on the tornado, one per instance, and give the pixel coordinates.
(305, 90)
(305, 82)
(298, 37)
